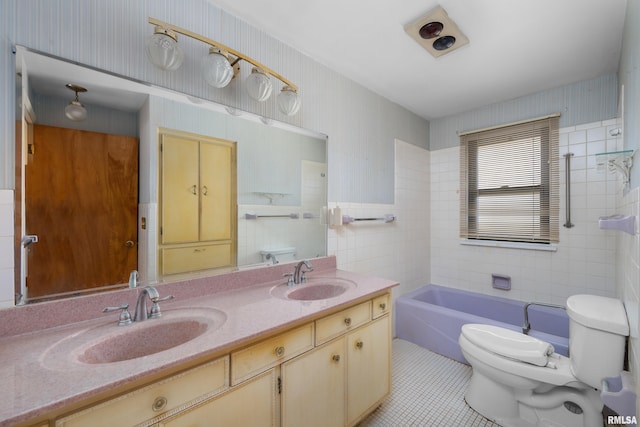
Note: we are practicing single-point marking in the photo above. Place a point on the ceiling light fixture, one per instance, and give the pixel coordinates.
(75, 110)
(220, 66)
(436, 25)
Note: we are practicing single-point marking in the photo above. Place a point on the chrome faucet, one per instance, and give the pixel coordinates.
(298, 274)
(141, 312)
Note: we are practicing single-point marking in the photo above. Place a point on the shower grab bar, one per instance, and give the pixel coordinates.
(567, 167)
(256, 216)
(527, 326)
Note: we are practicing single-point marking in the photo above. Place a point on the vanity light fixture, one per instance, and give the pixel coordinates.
(75, 110)
(220, 66)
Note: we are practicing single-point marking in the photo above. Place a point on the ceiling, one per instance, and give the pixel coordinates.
(516, 47)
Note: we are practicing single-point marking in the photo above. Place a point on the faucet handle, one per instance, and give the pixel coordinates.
(155, 308)
(125, 316)
(303, 278)
(289, 277)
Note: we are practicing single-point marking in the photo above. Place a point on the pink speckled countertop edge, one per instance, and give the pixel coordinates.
(30, 362)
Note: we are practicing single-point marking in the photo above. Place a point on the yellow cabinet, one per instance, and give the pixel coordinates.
(331, 371)
(251, 404)
(368, 368)
(197, 203)
(254, 359)
(313, 387)
(157, 400)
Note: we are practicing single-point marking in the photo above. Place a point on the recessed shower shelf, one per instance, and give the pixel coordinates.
(616, 161)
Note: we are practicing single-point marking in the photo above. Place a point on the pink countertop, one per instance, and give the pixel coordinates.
(39, 365)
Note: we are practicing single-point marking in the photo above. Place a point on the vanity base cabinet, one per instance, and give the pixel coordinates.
(331, 371)
(368, 368)
(251, 404)
(160, 399)
(313, 387)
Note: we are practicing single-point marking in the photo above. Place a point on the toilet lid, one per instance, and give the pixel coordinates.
(508, 343)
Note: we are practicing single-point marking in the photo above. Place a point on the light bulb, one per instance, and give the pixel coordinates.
(259, 85)
(163, 50)
(288, 101)
(216, 68)
(75, 111)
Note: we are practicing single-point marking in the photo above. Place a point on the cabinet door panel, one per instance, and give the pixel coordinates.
(216, 174)
(313, 387)
(180, 190)
(251, 404)
(369, 367)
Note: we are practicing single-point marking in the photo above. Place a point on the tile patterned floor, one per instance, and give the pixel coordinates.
(427, 390)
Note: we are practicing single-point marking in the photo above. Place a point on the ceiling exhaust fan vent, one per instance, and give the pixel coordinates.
(436, 32)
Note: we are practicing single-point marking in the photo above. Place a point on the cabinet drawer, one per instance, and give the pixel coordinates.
(331, 326)
(194, 258)
(252, 360)
(381, 305)
(157, 399)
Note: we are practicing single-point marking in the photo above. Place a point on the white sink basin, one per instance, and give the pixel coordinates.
(315, 289)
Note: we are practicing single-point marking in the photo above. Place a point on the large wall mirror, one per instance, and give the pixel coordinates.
(88, 205)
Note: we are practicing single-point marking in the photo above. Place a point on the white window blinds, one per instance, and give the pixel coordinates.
(509, 183)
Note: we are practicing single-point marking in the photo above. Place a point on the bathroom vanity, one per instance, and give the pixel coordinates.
(260, 358)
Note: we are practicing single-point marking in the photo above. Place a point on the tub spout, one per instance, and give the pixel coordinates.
(527, 326)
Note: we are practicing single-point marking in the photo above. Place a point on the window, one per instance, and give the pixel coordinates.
(509, 183)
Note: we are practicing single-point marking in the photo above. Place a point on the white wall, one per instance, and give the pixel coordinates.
(398, 250)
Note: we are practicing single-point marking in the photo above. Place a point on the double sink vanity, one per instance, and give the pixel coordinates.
(245, 348)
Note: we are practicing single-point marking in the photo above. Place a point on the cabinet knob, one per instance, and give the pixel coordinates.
(279, 351)
(194, 189)
(129, 243)
(159, 404)
(383, 306)
(205, 190)
(347, 321)
(359, 344)
(335, 357)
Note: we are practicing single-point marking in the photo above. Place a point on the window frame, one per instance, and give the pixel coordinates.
(547, 212)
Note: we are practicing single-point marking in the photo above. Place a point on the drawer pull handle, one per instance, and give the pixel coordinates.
(159, 404)
(383, 306)
(359, 344)
(335, 357)
(279, 351)
(347, 321)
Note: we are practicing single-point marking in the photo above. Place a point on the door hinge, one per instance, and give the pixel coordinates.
(279, 385)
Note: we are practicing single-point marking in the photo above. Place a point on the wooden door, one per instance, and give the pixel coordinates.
(81, 191)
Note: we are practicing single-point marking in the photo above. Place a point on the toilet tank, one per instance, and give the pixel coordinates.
(597, 332)
(278, 255)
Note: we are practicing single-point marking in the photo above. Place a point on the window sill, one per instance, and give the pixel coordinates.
(510, 245)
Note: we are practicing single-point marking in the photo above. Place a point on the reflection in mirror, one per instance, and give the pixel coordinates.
(280, 182)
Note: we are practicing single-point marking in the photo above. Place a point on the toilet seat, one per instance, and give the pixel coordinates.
(508, 343)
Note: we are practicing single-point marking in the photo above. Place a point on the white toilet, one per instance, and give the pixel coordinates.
(519, 381)
(278, 255)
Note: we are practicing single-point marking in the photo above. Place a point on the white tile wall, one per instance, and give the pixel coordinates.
(585, 261)
(397, 250)
(628, 279)
(6, 249)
